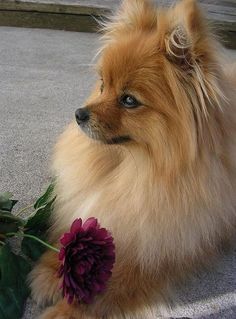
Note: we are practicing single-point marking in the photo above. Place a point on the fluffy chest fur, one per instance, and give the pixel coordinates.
(151, 218)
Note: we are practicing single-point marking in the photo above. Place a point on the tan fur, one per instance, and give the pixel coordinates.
(168, 195)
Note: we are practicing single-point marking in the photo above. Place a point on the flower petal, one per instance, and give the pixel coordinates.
(67, 238)
(76, 226)
(90, 223)
(62, 253)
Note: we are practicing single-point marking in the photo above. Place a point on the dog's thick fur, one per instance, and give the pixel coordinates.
(167, 194)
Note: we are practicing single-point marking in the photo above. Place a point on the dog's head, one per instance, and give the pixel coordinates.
(158, 77)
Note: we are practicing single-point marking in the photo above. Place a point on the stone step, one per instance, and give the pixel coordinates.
(82, 15)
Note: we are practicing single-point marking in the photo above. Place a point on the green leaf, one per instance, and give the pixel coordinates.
(38, 225)
(46, 197)
(6, 203)
(13, 289)
(39, 222)
(8, 228)
(32, 248)
(9, 223)
(7, 216)
(13, 268)
(10, 307)
(4, 197)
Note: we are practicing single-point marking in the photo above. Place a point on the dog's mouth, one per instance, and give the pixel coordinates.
(96, 134)
(119, 140)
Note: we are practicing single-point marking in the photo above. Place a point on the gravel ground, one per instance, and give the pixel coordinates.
(45, 76)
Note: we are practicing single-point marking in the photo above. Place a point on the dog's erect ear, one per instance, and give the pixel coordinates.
(132, 15)
(187, 42)
(187, 35)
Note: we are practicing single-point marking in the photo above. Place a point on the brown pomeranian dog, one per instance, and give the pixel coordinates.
(152, 156)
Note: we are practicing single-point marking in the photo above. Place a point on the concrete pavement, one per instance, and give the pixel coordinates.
(45, 76)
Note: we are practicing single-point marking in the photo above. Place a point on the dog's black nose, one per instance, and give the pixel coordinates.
(82, 115)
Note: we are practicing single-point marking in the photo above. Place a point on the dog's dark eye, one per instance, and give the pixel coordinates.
(129, 101)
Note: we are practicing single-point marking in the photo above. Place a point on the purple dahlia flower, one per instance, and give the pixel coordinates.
(87, 255)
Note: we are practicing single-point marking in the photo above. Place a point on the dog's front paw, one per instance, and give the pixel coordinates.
(52, 313)
(43, 280)
(62, 310)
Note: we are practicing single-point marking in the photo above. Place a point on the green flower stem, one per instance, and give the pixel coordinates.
(2, 243)
(34, 238)
(23, 210)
